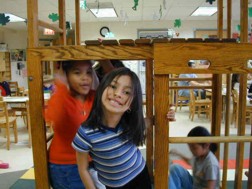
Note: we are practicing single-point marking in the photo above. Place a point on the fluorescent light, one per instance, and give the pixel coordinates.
(204, 11)
(102, 10)
(14, 18)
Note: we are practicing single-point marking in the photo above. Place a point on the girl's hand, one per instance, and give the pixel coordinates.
(61, 75)
(171, 114)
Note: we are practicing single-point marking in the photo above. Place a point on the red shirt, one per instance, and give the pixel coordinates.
(66, 113)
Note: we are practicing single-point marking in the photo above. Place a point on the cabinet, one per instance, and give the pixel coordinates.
(5, 67)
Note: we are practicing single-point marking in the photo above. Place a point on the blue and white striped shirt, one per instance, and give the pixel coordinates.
(116, 159)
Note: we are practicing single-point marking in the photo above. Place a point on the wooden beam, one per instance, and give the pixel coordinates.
(32, 22)
(242, 95)
(59, 53)
(161, 151)
(220, 19)
(49, 26)
(38, 128)
(177, 62)
(149, 115)
(77, 23)
(212, 139)
(62, 21)
(229, 18)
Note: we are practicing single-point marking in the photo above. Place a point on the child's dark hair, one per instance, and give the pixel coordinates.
(235, 79)
(132, 121)
(202, 131)
(67, 65)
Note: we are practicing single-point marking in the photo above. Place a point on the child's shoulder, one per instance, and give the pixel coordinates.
(212, 159)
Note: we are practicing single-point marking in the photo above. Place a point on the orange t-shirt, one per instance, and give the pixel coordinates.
(66, 113)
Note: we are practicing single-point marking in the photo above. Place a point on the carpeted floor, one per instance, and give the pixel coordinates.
(8, 179)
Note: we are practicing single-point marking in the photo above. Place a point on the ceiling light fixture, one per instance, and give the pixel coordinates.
(204, 11)
(14, 18)
(102, 9)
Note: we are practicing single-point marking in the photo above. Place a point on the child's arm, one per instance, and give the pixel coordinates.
(182, 156)
(82, 161)
(171, 113)
(211, 184)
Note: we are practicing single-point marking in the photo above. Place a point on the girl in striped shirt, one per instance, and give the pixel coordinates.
(112, 132)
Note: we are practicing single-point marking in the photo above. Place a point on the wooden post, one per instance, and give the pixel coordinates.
(242, 95)
(62, 21)
(161, 131)
(149, 115)
(35, 80)
(228, 101)
(77, 23)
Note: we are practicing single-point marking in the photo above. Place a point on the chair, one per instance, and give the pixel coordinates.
(235, 96)
(199, 106)
(180, 100)
(13, 88)
(21, 91)
(8, 122)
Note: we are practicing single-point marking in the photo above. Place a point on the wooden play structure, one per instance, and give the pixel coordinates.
(225, 57)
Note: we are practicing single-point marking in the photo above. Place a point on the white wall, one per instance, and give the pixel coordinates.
(1, 37)
(16, 39)
(90, 31)
(19, 75)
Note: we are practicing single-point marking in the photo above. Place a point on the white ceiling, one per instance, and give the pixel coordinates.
(147, 10)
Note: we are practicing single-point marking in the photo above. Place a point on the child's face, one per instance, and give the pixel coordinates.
(80, 78)
(199, 150)
(117, 97)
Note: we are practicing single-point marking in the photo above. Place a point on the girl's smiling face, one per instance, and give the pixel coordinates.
(117, 97)
(80, 78)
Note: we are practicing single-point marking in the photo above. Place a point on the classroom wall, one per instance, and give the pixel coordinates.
(16, 39)
(122, 30)
(90, 31)
(1, 37)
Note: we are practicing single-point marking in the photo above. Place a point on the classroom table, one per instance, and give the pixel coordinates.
(22, 102)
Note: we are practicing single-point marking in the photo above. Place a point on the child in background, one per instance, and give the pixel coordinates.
(67, 108)
(205, 165)
(112, 132)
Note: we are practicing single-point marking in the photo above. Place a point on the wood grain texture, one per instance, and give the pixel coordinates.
(77, 23)
(38, 130)
(62, 21)
(149, 115)
(129, 42)
(223, 57)
(32, 18)
(92, 52)
(161, 131)
(93, 42)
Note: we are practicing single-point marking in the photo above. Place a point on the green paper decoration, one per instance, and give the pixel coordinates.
(54, 17)
(4, 19)
(250, 11)
(210, 1)
(238, 27)
(83, 5)
(135, 5)
(160, 12)
(177, 23)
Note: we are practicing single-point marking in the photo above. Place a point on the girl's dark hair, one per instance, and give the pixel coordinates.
(235, 79)
(202, 131)
(67, 65)
(132, 121)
